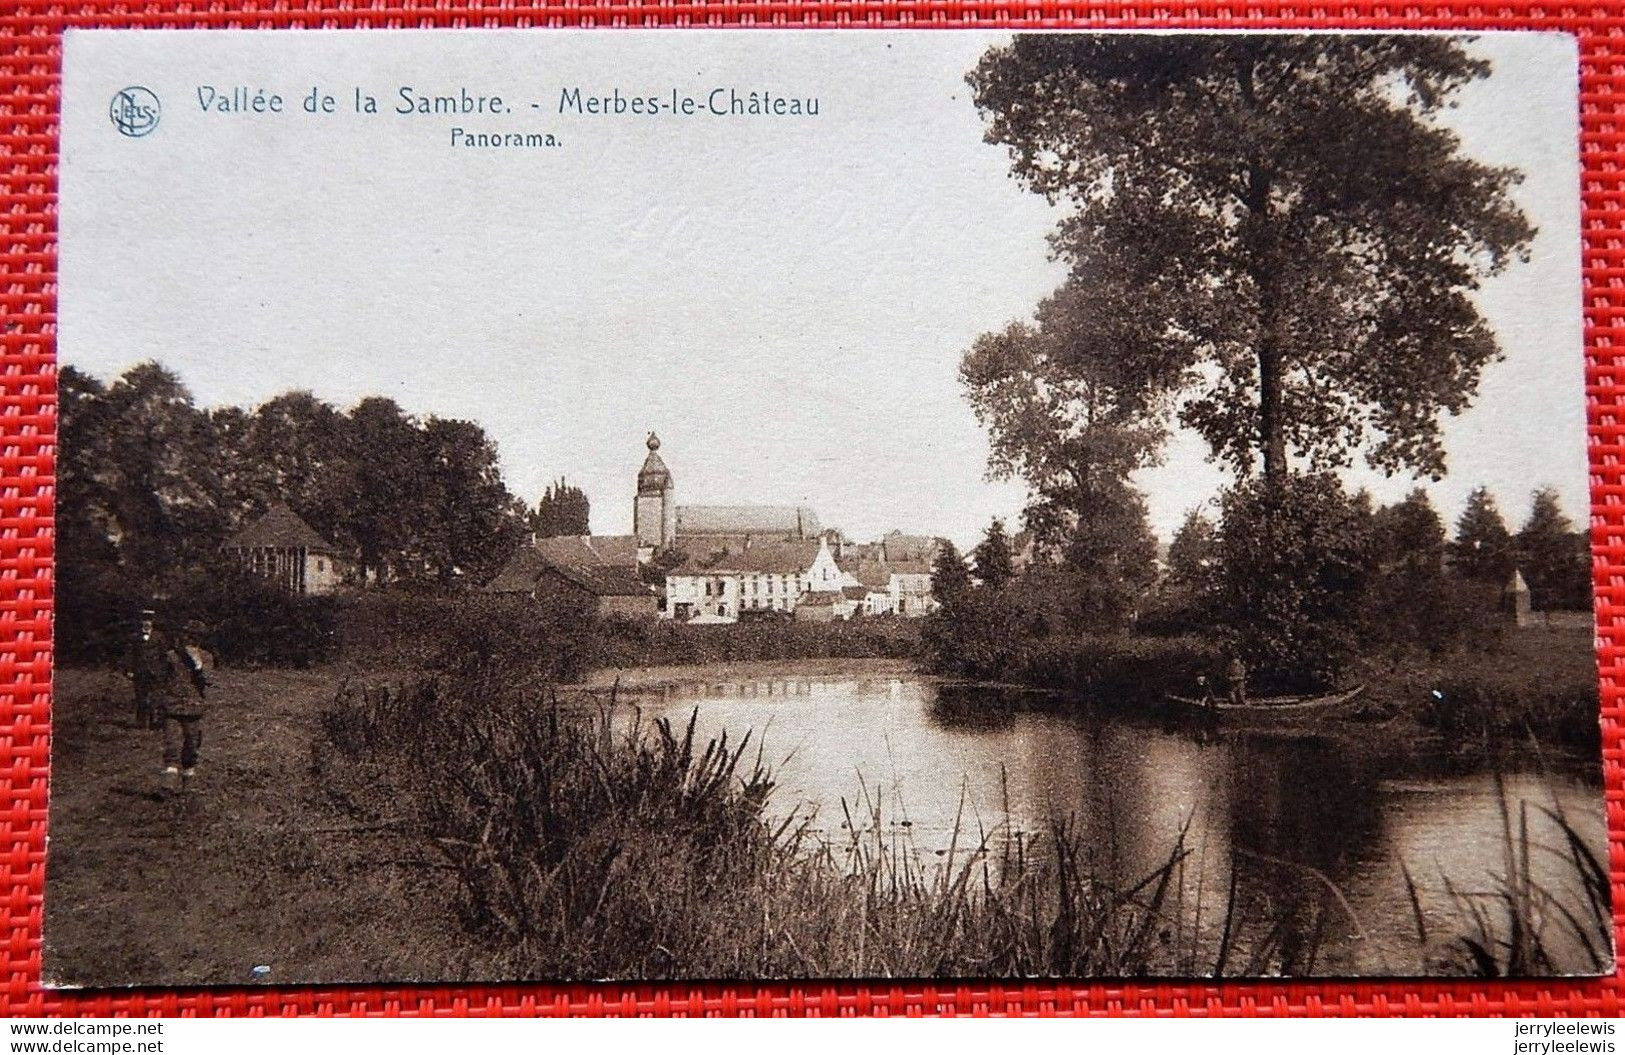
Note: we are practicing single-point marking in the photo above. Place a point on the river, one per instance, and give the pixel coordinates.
(1342, 817)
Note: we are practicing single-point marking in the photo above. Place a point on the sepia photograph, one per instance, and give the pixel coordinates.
(821, 505)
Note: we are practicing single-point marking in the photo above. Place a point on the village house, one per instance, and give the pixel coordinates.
(281, 547)
(767, 577)
(731, 561)
(602, 569)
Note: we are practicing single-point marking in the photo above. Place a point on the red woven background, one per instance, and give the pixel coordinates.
(30, 68)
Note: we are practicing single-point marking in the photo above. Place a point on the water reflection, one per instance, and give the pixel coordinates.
(1330, 823)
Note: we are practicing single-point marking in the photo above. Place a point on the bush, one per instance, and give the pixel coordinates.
(1121, 668)
(1294, 559)
(1540, 683)
(247, 622)
(241, 618)
(979, 633)
(646, 642)
(553, 640)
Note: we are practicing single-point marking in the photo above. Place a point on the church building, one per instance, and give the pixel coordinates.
(660, 523)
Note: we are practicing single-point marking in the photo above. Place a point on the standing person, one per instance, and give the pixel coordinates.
(181, 712)
(1205, 697)
(147, 669)
(1235, 676)
(170, 688)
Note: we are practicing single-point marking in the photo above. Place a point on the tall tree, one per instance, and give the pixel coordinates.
(1193, 553)
(386, 497)
(950, 579)
(1409, 536)
(1482, 548)
(991, 557)
(562, 510)
(470, 522)
(294, 449)
(1555, 558)
(161, 480)
(1066, 412)
(1274, 226)
(85, 507)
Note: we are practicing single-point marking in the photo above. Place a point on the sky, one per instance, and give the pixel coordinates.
(784, 301)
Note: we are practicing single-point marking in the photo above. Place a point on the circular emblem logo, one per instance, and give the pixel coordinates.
(134, 111)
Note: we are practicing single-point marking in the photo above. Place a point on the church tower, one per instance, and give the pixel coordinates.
(654, 513)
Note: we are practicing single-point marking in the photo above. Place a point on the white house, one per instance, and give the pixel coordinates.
(785, 576)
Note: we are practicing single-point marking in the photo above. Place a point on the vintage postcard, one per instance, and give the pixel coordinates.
(761, 505)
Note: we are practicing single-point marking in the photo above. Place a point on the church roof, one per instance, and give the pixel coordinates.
(280, 528)
(654, 477)
(798, 521)
(767, 558)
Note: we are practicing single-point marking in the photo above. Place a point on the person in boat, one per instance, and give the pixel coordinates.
(1235, 677)
(1204, 695)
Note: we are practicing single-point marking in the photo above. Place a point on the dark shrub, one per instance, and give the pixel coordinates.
(980, 634)
(241, 618)
(1121, 668)
(1541, 683)
(406, 629)
(96, 610)
(647, 642)
(1294, 567)
(246, 621)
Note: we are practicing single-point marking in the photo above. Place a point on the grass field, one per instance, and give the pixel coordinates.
(254, 869)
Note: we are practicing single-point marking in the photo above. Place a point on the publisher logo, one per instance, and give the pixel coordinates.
(134, 111)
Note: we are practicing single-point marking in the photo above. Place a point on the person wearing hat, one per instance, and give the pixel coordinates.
(147, 668)
(169, 688)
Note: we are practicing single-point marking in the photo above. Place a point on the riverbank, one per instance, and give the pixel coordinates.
(315, 843)
(642, 679)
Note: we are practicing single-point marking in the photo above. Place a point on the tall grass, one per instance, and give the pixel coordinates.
(583, 842)
(1531, 918)
(584, 847)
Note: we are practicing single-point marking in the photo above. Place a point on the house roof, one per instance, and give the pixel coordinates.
(902, 546)
(519, 575)
(874, 574)
(819, 597)
(586, 551)
(605, 580)
(770, 558)
(590, 552)
(797, 521)
(854, 593)
(280, 528)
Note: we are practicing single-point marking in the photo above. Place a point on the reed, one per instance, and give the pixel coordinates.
(585, 842)
(1546, 911)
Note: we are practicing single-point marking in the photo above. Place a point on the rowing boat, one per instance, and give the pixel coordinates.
(1275, 710)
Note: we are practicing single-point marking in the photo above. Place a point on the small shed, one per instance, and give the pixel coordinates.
(281, 547)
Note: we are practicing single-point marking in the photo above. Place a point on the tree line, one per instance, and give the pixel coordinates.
(1300, 600)
(150, 486)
